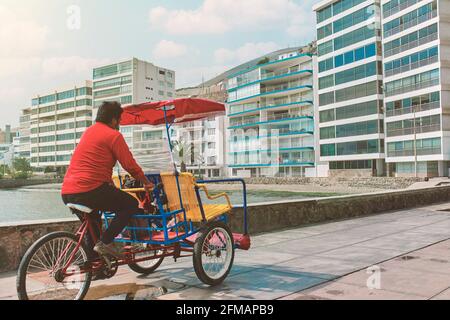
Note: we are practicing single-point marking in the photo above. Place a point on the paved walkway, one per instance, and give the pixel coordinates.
(408, 251)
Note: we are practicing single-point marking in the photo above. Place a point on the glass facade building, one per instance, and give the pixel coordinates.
(416, 51)
(349, 87)
(270, 117)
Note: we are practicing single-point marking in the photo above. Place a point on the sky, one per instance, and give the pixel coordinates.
(51, 44)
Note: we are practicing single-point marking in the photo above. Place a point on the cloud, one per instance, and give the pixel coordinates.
(244, 53)
(166, 49)
(74, 65)
(218, 17)
(20, 37)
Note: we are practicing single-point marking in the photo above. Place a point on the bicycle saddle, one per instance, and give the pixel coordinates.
(79, 207)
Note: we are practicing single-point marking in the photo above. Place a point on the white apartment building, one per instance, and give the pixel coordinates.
(132, 82)
(205, 141)
(24, 148)
(416, 57)
(205, 137)
(349, 91)
(58, 119)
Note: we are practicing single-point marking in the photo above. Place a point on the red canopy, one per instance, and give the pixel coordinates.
(178, 110)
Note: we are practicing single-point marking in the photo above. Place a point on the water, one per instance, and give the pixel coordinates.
(44, 202)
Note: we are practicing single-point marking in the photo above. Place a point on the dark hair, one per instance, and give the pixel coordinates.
(109, 110)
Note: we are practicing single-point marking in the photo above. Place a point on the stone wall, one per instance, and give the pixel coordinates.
(15, 239)
(387, 183)
(12, 183)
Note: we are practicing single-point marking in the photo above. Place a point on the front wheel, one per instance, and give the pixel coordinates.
(213, 253)
(40, 275)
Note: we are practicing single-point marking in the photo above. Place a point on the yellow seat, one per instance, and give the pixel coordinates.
(189, 198)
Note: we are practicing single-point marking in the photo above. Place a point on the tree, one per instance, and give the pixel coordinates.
(182, 151)
(4, 170)
(263, 61)
(22, 168)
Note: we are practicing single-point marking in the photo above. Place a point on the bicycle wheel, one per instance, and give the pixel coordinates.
(40, 275)
(213, 253)
(147, 266)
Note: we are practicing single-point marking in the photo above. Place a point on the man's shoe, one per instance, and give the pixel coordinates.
(107, 250)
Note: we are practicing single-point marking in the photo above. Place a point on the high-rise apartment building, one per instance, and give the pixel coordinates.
(58, 119)
(132, 82)
(349, 88)
(270, 116)
(416, 53)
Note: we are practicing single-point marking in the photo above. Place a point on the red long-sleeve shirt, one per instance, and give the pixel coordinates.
(94, 158)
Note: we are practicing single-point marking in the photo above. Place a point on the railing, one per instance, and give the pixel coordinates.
(285, 116)
(285, 87)
(410, 152)
(411, 45)
(269, 118)
(399, 8)
(418, 108)
(417, 86)
(278, 73)
(417, 130)
(242, 122)
(418, 20)
(412, 66)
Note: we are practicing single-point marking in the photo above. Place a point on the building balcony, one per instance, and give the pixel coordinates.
(418, 108)
(414, 22)
(413, 130)
(411, 45)
(412, 66)
(413, 87)
(410, 152)
(271, 91)
(400, 7)
(265, 106)
(269, 119)
(281, 163)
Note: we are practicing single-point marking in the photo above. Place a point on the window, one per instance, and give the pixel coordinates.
(326, 82)
(327, 115)
(354, 18)
(326, 65)
(409, 41)
(325, 31)
(339, 61)
(327, 150)
(411, 83)
(359, 54)
(327, 133)
(325, 48)
(358, 35)
(324, 14)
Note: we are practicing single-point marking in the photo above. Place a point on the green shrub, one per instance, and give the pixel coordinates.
(21, 175)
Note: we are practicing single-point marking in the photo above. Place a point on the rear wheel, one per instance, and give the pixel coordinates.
(40, 275)
(213, 253)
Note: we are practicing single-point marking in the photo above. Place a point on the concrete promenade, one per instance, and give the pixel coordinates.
(409, 251)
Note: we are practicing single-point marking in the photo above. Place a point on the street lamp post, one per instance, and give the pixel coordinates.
(415, 141)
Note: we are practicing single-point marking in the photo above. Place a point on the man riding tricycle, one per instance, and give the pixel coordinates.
(164, 215)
